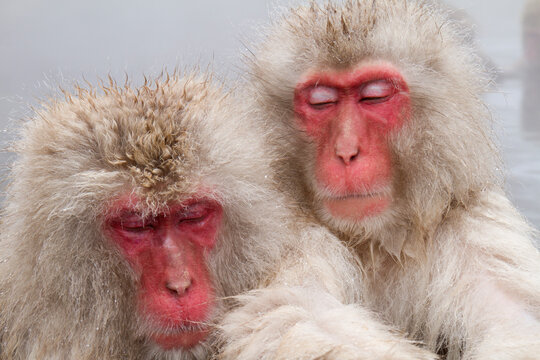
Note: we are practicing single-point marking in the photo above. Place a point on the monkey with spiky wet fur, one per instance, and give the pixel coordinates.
(135, 215)
(386, 139)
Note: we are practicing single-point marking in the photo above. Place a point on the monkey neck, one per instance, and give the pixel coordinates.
(402, 245)
(403, 241)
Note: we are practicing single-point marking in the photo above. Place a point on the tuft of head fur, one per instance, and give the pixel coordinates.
(65, 292)
(443, 157)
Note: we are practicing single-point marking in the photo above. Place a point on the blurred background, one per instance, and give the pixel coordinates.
(44, 44)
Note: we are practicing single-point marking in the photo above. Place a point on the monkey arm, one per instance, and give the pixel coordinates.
(485, 283)
(501, 325)
(306, 323)
(305, 312)
(502, 312)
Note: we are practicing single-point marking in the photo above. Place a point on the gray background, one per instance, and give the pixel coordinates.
(46, 43)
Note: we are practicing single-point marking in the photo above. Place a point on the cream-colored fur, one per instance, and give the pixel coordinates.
(67, 293)
(293, 317)
(451, 263)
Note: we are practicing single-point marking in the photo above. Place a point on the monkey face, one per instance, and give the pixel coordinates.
(167, 250)
(349, 115)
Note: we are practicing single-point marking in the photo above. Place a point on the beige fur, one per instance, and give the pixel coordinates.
(65, 291)
(293, 317)
(452, 263)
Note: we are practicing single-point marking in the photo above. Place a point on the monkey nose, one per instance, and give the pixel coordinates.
(347, 154)
(180, 284)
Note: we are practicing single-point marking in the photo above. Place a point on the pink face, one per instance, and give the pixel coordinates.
(349, 115)
(168, 252)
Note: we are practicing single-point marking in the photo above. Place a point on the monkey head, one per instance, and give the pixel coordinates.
(125, 223)
(380, 112)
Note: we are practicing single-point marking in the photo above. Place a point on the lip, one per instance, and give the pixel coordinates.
(357, 206)
(187, 327)
(356, 196)
(181, 337)
(327, 193)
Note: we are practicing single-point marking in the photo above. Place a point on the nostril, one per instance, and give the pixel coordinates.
(347, 156)
(179, 286)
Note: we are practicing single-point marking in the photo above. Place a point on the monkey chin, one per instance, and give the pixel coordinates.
(181, 340)
(356, 207)
(180, 335)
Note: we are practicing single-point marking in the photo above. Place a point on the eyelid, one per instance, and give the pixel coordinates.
(322, 95)
(195, 213)
(132, 221)
(377, 89)
(136, 224)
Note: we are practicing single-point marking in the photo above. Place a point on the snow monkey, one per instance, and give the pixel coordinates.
(376, 108)
(134, 214)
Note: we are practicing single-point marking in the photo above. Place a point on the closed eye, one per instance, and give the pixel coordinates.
(137, 228)
(133, 223)
(193, 218)
(377, 91)
(196, 214)
(319, 96)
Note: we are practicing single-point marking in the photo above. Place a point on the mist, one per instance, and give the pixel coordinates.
(45, 44)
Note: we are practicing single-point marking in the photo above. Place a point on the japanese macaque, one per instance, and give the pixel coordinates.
(134, 214)
(385, 138)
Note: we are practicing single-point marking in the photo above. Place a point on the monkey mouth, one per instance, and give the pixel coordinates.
(175, 328)
(358, 196)
(379, 193)
(182, 336)
(357, 206)
(183, 328)
(326, 193)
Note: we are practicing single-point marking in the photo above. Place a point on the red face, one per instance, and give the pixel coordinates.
(349, 115)
(168, 252)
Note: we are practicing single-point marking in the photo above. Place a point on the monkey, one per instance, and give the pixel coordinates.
(136, 217)
(376, 107)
